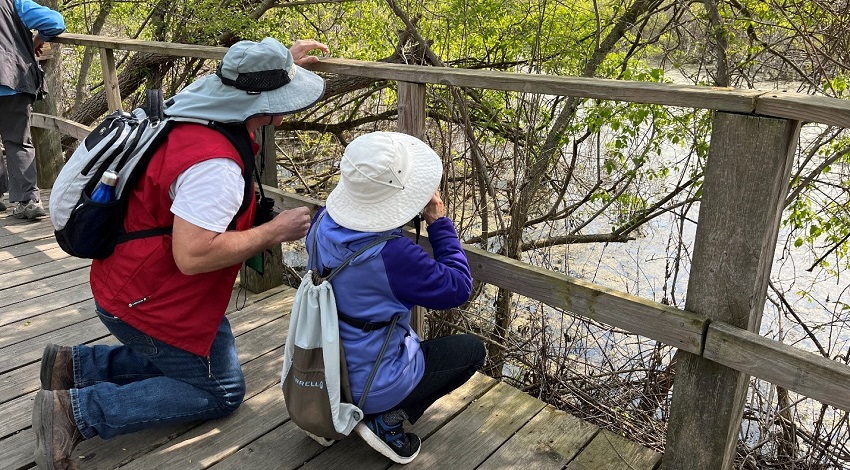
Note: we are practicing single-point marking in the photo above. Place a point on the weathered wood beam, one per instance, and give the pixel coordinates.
(153, 47)
(746, 181)
(110, 80)
(62, 125)
(809, 374)
(271, 259)
(411, 120)
(672, 326)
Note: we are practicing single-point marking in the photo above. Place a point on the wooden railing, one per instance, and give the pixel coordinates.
(746, 181)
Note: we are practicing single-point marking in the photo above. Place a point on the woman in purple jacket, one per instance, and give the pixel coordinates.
(387, 179)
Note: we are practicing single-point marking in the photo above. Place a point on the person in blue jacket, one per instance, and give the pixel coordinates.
(387, 179)
(21, 81)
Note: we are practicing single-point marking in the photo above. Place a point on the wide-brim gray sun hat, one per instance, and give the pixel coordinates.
(386, 178)
(253, 79)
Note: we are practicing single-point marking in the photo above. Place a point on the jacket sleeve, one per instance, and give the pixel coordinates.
(417, 279)
(49, 23)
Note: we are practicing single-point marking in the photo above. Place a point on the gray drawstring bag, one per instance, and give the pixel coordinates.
(314, 378)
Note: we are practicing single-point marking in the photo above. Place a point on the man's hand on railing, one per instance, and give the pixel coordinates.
(301, 49)
(37, 44)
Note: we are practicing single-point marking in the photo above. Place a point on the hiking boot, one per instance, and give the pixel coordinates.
(56, 433)
(57, 368)
(391, 441)
(30, 210)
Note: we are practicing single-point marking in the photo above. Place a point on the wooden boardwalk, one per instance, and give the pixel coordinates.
(485, 424)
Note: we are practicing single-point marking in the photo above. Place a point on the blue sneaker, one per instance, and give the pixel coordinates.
(391, 441)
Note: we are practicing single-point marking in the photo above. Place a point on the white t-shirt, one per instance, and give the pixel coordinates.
(208, 194)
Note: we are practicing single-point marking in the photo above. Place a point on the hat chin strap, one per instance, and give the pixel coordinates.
(417, 225)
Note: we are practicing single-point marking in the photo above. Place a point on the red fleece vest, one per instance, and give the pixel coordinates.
(140, 282)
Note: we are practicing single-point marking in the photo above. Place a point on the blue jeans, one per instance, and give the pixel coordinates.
(145, 383)
(449, 362)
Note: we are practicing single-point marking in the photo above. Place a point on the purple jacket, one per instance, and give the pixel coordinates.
(388, 280)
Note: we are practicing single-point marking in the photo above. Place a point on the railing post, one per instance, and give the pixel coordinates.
(411, 120)
(272, 275)
(110, 80)
(746, 182)
(48, 143)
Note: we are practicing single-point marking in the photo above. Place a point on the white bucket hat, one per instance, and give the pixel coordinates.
(253, 79)
(386, 178)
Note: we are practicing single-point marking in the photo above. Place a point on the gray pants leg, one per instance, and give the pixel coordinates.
(15, 114)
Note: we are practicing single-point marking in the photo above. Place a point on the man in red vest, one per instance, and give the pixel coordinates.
(165, 297)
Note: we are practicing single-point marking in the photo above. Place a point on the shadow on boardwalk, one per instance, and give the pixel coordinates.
(485, 424)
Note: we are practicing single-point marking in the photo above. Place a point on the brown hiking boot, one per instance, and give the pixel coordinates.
(56, 433)
(57, 368)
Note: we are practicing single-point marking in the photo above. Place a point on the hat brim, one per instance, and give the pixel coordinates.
(400, 208)
(212, 100)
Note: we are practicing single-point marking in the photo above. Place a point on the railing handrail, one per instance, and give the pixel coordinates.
(779, 104)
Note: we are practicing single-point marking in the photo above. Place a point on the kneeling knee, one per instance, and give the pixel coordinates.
(232, 397)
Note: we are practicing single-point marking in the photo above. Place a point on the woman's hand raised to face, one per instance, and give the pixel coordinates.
(434, 210)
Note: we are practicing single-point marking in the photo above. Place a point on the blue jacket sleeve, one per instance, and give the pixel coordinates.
(415, 278)
(49, 23)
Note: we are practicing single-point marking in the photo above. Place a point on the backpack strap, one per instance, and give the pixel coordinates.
(377, 363)
(238, 135)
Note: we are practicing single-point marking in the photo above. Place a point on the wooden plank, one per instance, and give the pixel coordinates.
(150, 47)
(214, 440)
(677, 328)
(732, 257)
(272, 259)
(283, 448)
(32, 327)
(806, 373)
(804, 108)
(30, 260)
(24, 249)
(610, 451)
(729, 99)
(411, 120)
(17, 415)
(13, 451)
(42, 271)
(19, 354)
(467, 440)
(15, 226)
(453, 404)
(110, 80)
(42, 287)
(12, 235)
(353, 454)
(46, 304)
(61, 125)
(550, 440)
